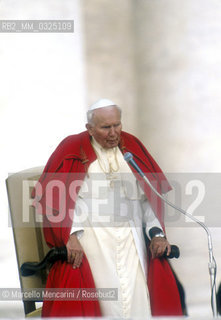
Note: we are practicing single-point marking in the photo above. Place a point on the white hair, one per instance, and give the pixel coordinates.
(90, 114)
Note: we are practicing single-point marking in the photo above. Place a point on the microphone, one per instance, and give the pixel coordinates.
(129, 158)
(212, 262)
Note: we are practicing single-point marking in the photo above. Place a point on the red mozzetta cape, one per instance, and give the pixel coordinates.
(74, 155)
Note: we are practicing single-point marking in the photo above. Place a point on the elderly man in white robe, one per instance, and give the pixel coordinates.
(108, 222)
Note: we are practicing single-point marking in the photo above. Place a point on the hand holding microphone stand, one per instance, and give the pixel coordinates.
(212, 262)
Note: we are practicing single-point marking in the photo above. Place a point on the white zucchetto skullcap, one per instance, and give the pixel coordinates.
(102, 103)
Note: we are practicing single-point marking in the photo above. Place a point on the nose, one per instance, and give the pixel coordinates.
(112, 131)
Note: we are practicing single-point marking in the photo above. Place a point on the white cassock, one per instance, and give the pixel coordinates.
(108, 220)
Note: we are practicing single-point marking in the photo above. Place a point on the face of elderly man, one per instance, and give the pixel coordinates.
(106, 126)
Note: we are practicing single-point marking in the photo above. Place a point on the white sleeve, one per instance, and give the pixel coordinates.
(150, 220)
(76, 226)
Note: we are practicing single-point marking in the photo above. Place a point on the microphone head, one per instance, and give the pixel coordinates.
(128, 156)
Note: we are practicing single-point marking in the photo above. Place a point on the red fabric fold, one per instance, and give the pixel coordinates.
(62, 275)
(164, 295)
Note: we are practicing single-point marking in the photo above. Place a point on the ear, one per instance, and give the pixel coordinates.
(89, 129)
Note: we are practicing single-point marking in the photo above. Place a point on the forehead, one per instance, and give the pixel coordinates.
(106, 115)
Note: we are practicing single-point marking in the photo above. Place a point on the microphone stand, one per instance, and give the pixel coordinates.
(212, 262)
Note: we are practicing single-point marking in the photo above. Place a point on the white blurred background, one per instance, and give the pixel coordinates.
(42, 100)
(159, 60)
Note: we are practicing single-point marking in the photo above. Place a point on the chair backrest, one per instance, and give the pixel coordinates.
(28, 236)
